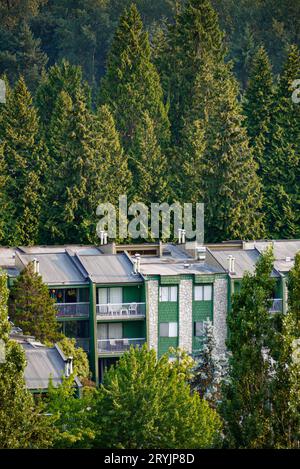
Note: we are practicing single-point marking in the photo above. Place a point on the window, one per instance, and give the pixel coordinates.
(168, 329)
(110, 331)
(203, 293)
(199, 329)
(168, 294)
(110, 296)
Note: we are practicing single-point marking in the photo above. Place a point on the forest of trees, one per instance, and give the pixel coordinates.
(185, 101)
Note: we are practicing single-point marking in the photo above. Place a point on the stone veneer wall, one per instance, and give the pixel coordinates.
(220, 313)
(152, 299)
(186, 315)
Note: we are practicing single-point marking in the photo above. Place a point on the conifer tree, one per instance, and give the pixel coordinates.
(26, 159)
(23, 424)
(231, 188)
(282, 156)
(148, 164)
(257, 105)
(5, 205)
(31, 308)
(194, 35)
(246, 399)
(131, 85)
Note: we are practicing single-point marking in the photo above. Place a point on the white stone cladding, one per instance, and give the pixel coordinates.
(186, 315)
(220, 313)
(152, 298)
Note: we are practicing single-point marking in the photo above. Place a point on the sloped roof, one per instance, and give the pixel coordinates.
(56, 268)
(109, 269)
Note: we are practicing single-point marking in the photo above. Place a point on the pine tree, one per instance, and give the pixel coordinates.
(246, 398)
(210, 370)
(31, 308)
(257, 105)
(23, 424)
(194, 36)
(282, 156)
(26, 159)
(148, 164)
(131, 85)
(60, 77)
(230, 185)
(5, 204)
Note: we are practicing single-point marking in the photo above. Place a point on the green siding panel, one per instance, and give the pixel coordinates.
(202, 310)
(164, 343)
(167, 312)
(134, 329)
(132, 294)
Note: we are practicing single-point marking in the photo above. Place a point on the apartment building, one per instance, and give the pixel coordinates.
(112, 296)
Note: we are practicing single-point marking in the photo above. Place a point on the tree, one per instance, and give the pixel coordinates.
(194, 35)
(31, 308)
(210, 369)
(246, 398)
(257, 105)
(23, 423)
(282, 153)
(131, 85)
(25, 158)
(80, 359)
(148, 164)
(286, 388)
(150, 405)
(230, 185)
(74, 417)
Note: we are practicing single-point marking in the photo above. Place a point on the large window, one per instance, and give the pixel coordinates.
(203, 293)
(168, 294)
(110, 295)
(70, 295)
(110, 331)
(75, 329)
(168, 329)
(199, 330)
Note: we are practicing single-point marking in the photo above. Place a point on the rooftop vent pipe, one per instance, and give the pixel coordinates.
(69, 366)
(138, 263)
(201, 253)
(231, 260)
(103, 237)
(36, 266)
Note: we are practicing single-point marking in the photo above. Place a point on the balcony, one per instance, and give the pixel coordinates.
(83, 343)
(276, 306)
(121, 311)
(108, 346)
(72, 310)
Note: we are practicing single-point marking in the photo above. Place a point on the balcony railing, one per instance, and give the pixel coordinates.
(121, 311)
(276, 306)
(72, 310)
(118, 345)
(83, 343)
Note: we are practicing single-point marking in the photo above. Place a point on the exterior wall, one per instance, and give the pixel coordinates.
(201, 311)
(220, 296)
(152, 313)
(132, 294)
(134, 329)
(167, 312)
(186, 315)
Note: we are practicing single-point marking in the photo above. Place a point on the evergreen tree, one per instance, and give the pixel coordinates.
(148, 164)
(31, 308)
(257, 106)
(131, 85)
(23, 424)
(60, 77)
(26, 159)
(282, 152)
(246, 399)
(5, 204)
(150, 405)
(230, 185)
(194, 36)
(209, 372)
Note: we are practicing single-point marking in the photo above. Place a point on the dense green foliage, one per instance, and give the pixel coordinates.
(81, 367)
(150, 405)
(131, 99)
(31, 308)
(22, 422)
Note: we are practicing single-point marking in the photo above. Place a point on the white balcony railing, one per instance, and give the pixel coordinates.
(118, 345)
(276, 306)
(119, 311)
(71, 310)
